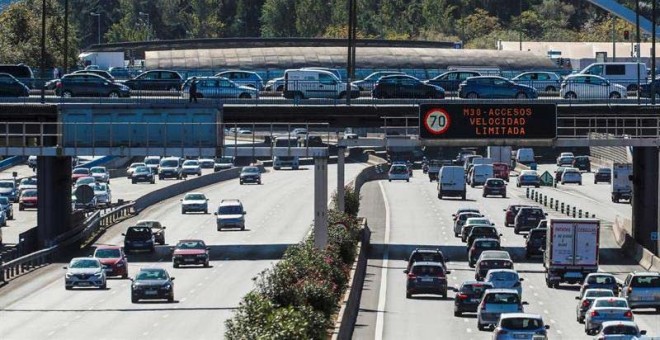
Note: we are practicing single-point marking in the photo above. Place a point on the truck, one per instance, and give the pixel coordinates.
(572, 246)
(104, 60)
(621, 184)
(499, 154)
(434, 168)
(288, 161)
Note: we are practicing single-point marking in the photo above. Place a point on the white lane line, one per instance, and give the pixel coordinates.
(165, 316)
(382, 294)
(541, 303)
(469, 330)
(51, 333)
(155, 324)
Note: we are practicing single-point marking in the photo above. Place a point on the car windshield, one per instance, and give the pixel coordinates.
(138, 232)
(620, 330)
(107, 253)
(496, 183)
(487, 244)
(611, 303)
(224, 160)
(502, 298)
(427, 257)
(473, 221)
(646, 282)
(135, 165)
(598, 293)
(194, 197)
(496, 255)
(601, 279)
(149, 224)
(427, 270)
(170, 163)
(476, 289)
(191, 245)
(503, 276)
(29, 181)
(85, 180)
(521, 323)
(99, 187)
(251, 170)
(604, 170)
(535, 213)
(191, 163)
(142, 169)
(152, 161)
(463, 217)
(151, 275)
(484, 231)
(80, 171)
(399, 170)
(230, 210)
(6, 184)
(84, 263)
(30, 193)
(4, 200)
(98, 170)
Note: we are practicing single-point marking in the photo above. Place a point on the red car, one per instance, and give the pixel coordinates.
(28, 199)
(501, 170)
(113, 260)
(511, 212)
(79, 173)
(189, 252)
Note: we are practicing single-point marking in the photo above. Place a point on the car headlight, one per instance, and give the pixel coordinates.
(99, 274)
(167, 286)
(68, 275)
(135, 287)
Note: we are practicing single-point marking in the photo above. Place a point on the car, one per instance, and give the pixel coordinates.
(157, 229)
(603, 174)
(190, 252)
(132, 167)
(100, 173)
(139, 238)
(600, 280)
(230, 214)
(645, 90)
(79, 205)
(451, 79)
(482, 231)
(582, 163)
(169, 167)
(152, 283)
(479, 173)
(642, 290)
(479, 246)
(535, 242)
(28, 199)
(606, 309)
(219, 87)
(491, 259)
(77, 173)
(496, 302)
(191, 167)
(584, 86)
(472, 222)
(368, 83)
(468, 162)
(119, 73)
(541, 81)
(528, 178)
(102, 73)
(27, 183)
(156, 80)
(142, 174)
(520, 326)
(89, 85)
(426, 278)
(399, 172)
(87, 180)
(12, 87)
(113, 260)
(405, 86)
(250, 174)
(7, 206)
(223, 163)
(494, 186)
(32, 162)
(426, 255)
(620, 330)
(9, 189)
(84, 272)
(494, 87)
(102, 193)
(510, 214)
(275, 84)
(468, 296)
(464, 210)
(244, 78)
(3, 218)
(206, 163)
(505, 278)
(559, 171)
(194, 201)
(565, 160)
(566, 154)
(152, 162)
(528, 218)
(571, 175)
(460, 221)
(586, 298)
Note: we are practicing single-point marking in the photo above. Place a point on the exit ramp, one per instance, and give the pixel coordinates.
(626, 14)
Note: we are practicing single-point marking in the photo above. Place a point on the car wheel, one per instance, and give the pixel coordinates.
(480, 326)
(259, 182)
(170, 299)
(408, 295)
(153, 181)
(67, 94)
(297, 96)
(516, 231)
(615, 95)
(390, 180)
(133, 181)
(160, 178)
(241, 182)
(183, 211)
(458, 314)
(483, 194)
(463, 197)
(570, 95)
(444, 295)
(134, 299)
(518, 185)
(407, 180)
(175, 265)
(280, 88)
(471, 265)
(472, 95)
(113, 94)
(20, 207)
(104, 286)
(173, 89)
(243, 228)
(245, 96)
(206, 264)
(68, 287)
(521, 95)
(550, 89)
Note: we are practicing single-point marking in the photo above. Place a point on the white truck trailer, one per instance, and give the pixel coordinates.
(500, 154)
(621, 186)
(104, 60)
(571, 251)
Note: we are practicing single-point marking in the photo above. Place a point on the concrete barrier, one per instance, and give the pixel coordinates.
(11, 161)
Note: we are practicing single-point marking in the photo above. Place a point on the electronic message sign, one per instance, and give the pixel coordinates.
(488, 121)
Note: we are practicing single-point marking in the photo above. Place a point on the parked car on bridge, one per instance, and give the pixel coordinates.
(645, 89)
(152, 283)
(190, 252)
(156, 80)
(541, 81)
(28, 199)
(84, 272)
(405, 86)
(12, 87)
(275, 84)
(218, 87)
(450, 80)
(368, 83)
(494, 87)
(583, 86)
(244, 78)
(89, 85)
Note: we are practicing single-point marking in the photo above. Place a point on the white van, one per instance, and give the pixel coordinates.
(313, 83)
(451, 182)
(292, 162)
(525, 155)
(622, 73)
(480, 173)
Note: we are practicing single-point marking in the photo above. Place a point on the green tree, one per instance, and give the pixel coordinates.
(246, 21)
(312, 17)
(278, 18)
(479, 24)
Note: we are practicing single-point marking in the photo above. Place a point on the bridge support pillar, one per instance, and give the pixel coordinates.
(54, 197)
(645, 217)
(320, 202)
(341, 151)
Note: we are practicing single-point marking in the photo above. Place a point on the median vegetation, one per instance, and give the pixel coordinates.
(298, 297)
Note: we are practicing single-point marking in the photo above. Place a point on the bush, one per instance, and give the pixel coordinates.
(351, 201)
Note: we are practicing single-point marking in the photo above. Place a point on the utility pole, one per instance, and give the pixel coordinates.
(638, 41)
(613, 38)
(98, 29)
(654, 19)
(43, 51)
(65, 55)
(520, 33)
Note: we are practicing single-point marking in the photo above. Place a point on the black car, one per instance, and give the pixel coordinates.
(426, 255)
(156, 80)
(426, 278)
(494, 87)
(250, 174)
(558, 173)
(89, 85)
(479, 246)
(469, 296)
(603, 175)
(139, 238)
(12, 87)
(494, 186)
(645, 89)
(451, 79)
(482, 231)
(582, 163)
(143, 174)
(21, 72)
(528, 218)
(404, 86)
(152, 283)
(535, 242)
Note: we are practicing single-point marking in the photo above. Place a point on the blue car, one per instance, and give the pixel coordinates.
(7, 207)
(493, 87)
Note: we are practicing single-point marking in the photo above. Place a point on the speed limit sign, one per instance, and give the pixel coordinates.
(437, 121)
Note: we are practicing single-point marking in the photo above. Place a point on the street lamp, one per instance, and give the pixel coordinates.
(142, 14)
(520, 34)
(98, 17)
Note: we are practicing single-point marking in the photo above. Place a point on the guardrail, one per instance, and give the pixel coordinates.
(11, 161)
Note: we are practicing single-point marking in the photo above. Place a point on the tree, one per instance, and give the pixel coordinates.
(479, 24)
(246, 21)
(278, 18)
(312, 18)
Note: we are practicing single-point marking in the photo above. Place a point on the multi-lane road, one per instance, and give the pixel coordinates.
(403, 216)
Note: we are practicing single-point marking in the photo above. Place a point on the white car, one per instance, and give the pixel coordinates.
(583, 86)
(100, 173)
(512, 326)
(571, 175)
(132, 168)
(194, 201)
(102, 193)
(191, 167)
(84, 272)
(505, 278)
(32, 162)
(399, 172)
(27, 183)
(206, 163)
(606, 309)
(620, 330)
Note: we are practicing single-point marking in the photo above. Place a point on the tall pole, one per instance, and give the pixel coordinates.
(98, 28)
(520, 33)
(654, 19)
(638, 41)
(613, 39)
(66, 37)
(43, 50)
(349, 59)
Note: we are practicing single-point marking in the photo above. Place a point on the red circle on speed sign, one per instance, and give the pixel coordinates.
(437, 121)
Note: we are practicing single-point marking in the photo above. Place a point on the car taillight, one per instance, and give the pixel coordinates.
(585, 303)
(629, 290)
(462, 296)
(483, 306)
(59, 84)
(628, 314)
(594, 313)
(411, 276)
(502, 332)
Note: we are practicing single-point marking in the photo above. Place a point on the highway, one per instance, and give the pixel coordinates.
(279, 213)
(403, 216)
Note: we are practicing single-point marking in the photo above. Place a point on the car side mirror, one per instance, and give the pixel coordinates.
(448, 272)
(521, 279)
(546, 214)
(492, 224)
(245, 213)
(525, 303)
(207, 199)
(547, 326)
(122, 234)
(405, 271)
(500, 234)
(503, 209)
(642, 332)
(172, 278)
(181, 199)
(64, 267)
(163, 227)
(577, 298)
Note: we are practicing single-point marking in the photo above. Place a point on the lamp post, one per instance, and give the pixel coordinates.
(638, 41)
(142, 14)
(43, 51)
(66, 37)
(98, 17)
(521, 24)
(654, 19)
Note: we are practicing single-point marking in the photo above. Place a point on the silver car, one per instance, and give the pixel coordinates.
(100, 173)
(84, 272)
(194, 201)
(520, 326)
(541, 81)
(620, 330)
(642, 290)
(505, 278)
(587, 298)
(218, 87)
(191, 167)
(460, 219)
(584, 86)
(496, 302)
(132, 167)
(102, 193)
(230, 214)
(606, 309)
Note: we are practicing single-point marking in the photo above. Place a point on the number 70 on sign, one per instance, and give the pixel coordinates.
(437, 121)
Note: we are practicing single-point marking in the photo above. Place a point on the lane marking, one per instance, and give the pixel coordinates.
(382, 294)
(51, 333)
